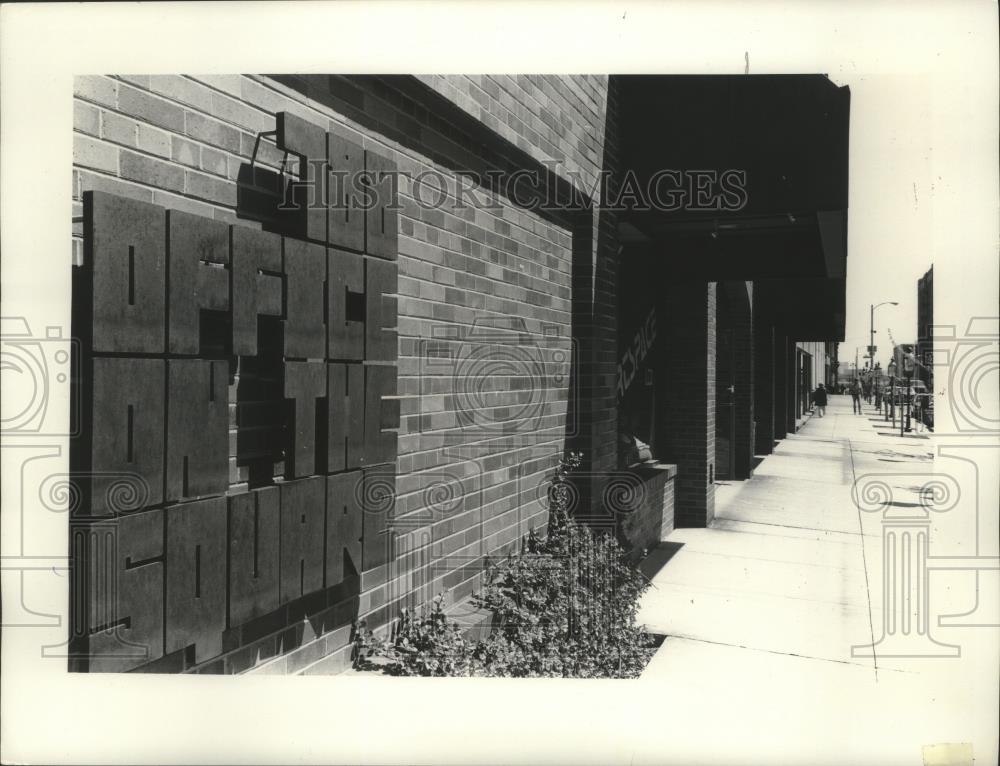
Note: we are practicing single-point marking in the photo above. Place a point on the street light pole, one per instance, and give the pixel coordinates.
(871, 327)
(871, 336)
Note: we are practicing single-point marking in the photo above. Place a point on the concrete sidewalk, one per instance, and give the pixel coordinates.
(763, 608)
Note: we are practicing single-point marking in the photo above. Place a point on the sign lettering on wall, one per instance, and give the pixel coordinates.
(635, 354)
(168, 305)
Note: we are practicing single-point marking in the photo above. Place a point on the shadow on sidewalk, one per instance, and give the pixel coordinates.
(658, 558)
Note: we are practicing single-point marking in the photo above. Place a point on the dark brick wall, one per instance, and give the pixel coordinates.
(783, 395)
(687, 398)
(652, 517)
(743, 339)
(764, 387)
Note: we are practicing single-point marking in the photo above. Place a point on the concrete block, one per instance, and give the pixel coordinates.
(86, 118)
(152, 172)
(147, 107)
(97, 89)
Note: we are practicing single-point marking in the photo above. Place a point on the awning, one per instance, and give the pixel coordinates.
(741, 177)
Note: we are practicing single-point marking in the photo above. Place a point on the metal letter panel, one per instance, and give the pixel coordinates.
(344, 526)
(308, 142)
(123, 589)
(346, 417)
(380, 414)
(345, 297)
(196, 577)
(127, 434)
(377, 509)
(380, 307)
(197, 428)
(253, 554)
(126, 261)
(347, 216)
(303, 512)
(305, 323)
(305, 382)
(381, 220)
(193, 284)
(255, 291)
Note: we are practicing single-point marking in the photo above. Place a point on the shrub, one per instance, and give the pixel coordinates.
(565, 606)
(420, 644)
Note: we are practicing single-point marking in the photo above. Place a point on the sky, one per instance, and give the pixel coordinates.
(923, 169)
(892, 187)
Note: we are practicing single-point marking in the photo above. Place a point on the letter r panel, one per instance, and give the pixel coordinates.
(344, 526)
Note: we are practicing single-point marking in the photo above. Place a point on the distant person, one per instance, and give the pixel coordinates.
(856, 396)
(819, 399)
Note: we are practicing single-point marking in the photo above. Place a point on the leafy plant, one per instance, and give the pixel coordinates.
(421, 644)
(564, 606)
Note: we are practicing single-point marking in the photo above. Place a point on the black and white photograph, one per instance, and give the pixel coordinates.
(431, 383)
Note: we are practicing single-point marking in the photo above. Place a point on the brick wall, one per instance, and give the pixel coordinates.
(743, 338)
(471, 459)
(783, 395)
(688, 399)
(764, 387)
(541, 114)
(652, 514)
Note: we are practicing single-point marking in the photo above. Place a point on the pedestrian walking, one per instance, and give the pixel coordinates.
(856, 396)
(819, 399)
